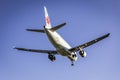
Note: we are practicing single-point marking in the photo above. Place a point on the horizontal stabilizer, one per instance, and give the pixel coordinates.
(36, 30)
(35, 50)
(58, 27)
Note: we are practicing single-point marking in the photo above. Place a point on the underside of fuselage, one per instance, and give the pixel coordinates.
(57, 41)
(60, 44)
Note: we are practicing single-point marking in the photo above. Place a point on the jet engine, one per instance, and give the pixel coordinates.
(51, 57)
(82, 53)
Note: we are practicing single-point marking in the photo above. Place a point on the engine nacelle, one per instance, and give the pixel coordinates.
(51, 57)
(82, 53)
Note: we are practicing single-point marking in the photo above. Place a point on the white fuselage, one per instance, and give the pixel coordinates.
(60, 44)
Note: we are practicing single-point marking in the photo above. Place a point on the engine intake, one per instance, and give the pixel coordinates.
(82, 53)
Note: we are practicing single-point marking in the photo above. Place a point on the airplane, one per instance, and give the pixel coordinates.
(62, 47)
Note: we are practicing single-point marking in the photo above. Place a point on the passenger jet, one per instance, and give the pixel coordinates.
(61, 46)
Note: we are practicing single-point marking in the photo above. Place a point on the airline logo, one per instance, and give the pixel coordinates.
(47, 20)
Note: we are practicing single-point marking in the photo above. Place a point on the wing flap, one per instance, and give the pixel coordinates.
(38, 51)
(77, 48)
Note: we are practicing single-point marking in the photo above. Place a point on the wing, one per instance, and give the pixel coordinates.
(38, 51)
(77, 48)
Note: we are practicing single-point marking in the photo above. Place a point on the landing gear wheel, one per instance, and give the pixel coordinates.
(51, 57)
(72, 64)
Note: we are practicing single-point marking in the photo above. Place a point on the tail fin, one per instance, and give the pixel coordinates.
(47, 19)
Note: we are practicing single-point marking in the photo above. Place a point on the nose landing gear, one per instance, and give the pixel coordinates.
(72, 64)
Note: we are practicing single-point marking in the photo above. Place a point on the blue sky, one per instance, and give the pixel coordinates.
(86, 20)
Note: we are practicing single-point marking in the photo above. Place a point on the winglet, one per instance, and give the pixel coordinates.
(47, 19)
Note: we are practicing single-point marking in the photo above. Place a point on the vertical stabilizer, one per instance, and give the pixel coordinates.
(47, 19)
